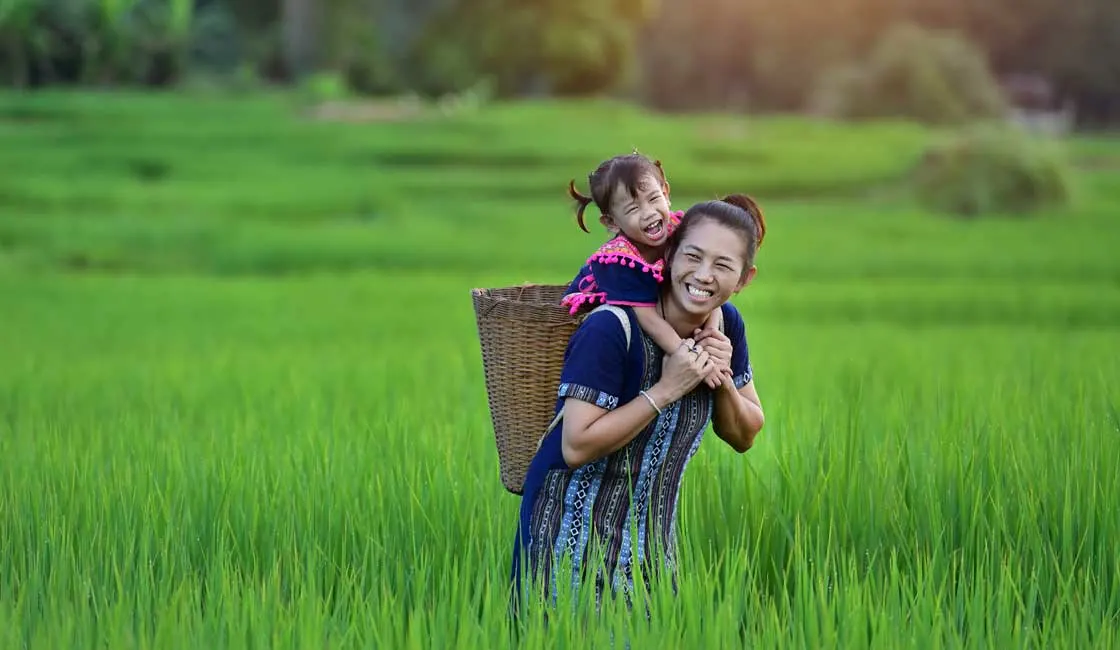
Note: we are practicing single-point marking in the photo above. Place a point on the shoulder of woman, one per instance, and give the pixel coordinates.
(732, 320)
(603, 324)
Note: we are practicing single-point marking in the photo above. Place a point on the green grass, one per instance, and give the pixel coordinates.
(242, 405)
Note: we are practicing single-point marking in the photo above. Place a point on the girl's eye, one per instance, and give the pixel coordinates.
(693, 257)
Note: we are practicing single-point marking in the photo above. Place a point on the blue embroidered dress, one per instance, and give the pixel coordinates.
(571, 511)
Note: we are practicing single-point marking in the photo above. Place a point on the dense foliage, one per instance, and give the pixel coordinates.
(763, 54)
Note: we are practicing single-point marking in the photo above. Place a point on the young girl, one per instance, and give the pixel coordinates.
(632, 195)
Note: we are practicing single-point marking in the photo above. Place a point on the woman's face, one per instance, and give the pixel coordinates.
(708, 267)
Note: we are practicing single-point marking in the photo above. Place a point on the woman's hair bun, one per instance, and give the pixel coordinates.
(751, 207)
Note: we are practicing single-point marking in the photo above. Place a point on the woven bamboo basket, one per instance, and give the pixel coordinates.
(523, 332)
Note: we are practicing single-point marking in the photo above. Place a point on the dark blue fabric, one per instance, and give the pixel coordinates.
(624, 285)
(735, 330)
(584, 271)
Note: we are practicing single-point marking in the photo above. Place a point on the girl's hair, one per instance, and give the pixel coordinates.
(737, 212)
(628, 169)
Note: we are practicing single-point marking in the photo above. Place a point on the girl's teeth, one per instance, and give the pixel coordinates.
(698, 293)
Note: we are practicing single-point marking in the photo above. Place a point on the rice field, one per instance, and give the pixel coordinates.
(242, 404)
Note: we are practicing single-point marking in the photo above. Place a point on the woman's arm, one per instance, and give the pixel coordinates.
(591, 432)
(738, 415)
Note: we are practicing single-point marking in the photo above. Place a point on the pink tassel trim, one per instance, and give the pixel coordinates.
(577, 300)
(630, 261)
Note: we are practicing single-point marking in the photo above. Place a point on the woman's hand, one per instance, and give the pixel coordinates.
(591, 432)
(681, 372)
(719, 349)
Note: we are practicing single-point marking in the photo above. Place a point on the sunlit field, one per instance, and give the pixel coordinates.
(242, 402)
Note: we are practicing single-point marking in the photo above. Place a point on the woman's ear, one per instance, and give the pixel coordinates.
(745, 279)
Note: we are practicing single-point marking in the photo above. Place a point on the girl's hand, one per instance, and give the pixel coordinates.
(719, 349)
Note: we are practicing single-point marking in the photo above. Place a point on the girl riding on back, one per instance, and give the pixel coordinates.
(632, 195)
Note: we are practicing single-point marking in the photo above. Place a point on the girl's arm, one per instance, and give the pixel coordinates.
(666, 337)
(658, 329)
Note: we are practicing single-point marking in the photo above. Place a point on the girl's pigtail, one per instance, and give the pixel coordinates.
(664, 180)
(582, 201)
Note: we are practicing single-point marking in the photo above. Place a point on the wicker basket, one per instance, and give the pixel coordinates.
(523, 332)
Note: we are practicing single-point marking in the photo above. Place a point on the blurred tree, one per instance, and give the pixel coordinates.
(566, 47)
(300, 26)
(761, 54)
(709, 53)
(930, 75)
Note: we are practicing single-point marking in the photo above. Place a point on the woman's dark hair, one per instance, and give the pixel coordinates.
(628, 169)
(737, 212)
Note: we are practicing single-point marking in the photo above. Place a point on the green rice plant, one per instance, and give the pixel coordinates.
(233, 414)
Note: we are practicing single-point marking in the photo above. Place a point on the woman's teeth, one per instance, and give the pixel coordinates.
(698, 293)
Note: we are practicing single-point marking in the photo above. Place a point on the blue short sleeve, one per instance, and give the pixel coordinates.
(735, 329)
(624, 285)
(576, 285)
(595, 362)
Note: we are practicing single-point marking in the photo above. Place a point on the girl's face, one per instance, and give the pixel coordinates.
(708, 267)
(644, 217)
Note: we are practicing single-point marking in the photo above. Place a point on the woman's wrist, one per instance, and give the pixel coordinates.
(660, 395)
(728, 385)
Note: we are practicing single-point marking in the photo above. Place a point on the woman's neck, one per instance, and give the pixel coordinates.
(681, 321)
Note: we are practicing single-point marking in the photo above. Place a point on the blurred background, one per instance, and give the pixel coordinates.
(220, 107)
(920, 161)
(918, 157)
(759, 55)
(237, 239)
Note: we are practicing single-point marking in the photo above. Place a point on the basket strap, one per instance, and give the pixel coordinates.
(622, 318)
(625, 321)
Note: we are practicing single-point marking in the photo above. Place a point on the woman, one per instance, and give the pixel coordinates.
(633, 416)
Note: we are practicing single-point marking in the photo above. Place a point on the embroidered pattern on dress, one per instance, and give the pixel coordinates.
(744, 378)
(621, 250)
(583, 393)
